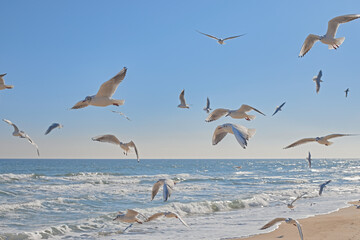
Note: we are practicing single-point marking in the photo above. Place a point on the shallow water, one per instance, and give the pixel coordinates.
(77, 199)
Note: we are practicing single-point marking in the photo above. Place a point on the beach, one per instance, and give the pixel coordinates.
(343, 224)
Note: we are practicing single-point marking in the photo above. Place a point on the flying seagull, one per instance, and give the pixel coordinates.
(182, 100)
(168, 187)
(207, 107)
(2, 83)
(238, 114)
(220, 40)
(22, 134)
(308, 158)
(53, 126)
(287, 220)
(242, 134)
(320, 140)
(347, 92)
(329, 37)
(103, 96)
(129, 217)
(278, 108)
(317, 80)
(291, 205)
(122, 114)
(322, 186)
(167, 215)
(112, 139)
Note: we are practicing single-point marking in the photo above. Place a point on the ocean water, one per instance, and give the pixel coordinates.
(77, 199)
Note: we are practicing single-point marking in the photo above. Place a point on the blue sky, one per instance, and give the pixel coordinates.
(58, 52)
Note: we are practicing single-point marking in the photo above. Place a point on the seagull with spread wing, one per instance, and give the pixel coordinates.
(287, 220)
(168, 187)
(131, 216)
(347, 92)
(167, 215)
(53, 126)
(2, 83)
(109, 138)
(279, 108)
(242, 134)
(237, 114)
(22, 134)
(321, 140)
(122, 114)
(207, 107)
(329, 37)
(106, 91)
(322, 186)
(182, 100)
(317, 80)
(220, 40)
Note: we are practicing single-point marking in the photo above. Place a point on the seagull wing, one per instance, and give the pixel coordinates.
(132, 213)
(216, 114)
(247, 108)
(322, 186)
(107, 138)
(297, 198)
(239, 137)
(9, 122)
(233, 37)
(299, 229)
(334, 23)
(272, 222)
(156, 187)
(155, 216)
(2, 82)
(52, 126)
(167, 189)
(207, 103)
(317, 86)
(33, 143)
(218, 135)
(308, 43)
(182, 97)
(108, 88)
(208, 35)
(337, 135)
(80, 104)
(132, 144)
(319, 75)
(301, 141)
(178, 217)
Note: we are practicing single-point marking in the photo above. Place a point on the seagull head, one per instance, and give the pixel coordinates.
(87, 99)
(317, 138)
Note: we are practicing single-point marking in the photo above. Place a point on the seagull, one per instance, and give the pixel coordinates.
(22, 134)
(287, 220)
(103, 96)
(207, 108)
(220, 40)
(168, 187)
(122, 114)
(322, 186)
(278, 108)
(168, 215)
(347, 92)
(320, 140)
(317, 80)
(182, 100)
(2, 83)
(242, 134)
(52, 126)
(112, 139)
(329, 37)
(129, 217)
(290, 205)
(238, 114)
(308, 158)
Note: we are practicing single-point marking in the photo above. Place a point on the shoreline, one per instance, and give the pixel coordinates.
(342, 224)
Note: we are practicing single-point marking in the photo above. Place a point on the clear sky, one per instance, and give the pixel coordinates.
(58, 52)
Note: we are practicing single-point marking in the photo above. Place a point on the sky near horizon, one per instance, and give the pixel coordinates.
(56, 53)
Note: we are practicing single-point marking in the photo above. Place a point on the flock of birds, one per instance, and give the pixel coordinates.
(242, 134)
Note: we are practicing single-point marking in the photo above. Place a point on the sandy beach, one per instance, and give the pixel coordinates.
(343, 224)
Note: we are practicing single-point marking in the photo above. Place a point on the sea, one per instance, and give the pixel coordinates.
(79, 198)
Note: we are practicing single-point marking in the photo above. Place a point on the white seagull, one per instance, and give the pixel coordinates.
(112, 139)
(22, 134)
(322, 186)
(308, 158)
(122, 114)
(242, 134)
(220, 40)
(317, 80)
(129, 217)
(103, 96)
(167, 215)
(182, 100)
(168, 187)
(321, 140)
(329, 37)
(291, 205)
(287, 220)
(207, 107)
(347, 92)
(2, 83)
(53, 126)
(238, 114)
(278, 108)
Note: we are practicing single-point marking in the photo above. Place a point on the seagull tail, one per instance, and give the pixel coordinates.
(9, 86)
(338, 42)
(251, 132)
(118, 102)
(251, 117)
